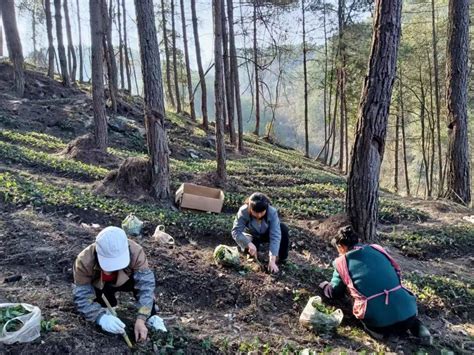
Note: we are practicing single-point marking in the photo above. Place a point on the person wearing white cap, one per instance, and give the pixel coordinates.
(114, 263)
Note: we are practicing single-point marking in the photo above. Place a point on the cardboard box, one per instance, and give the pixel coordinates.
(200, 198)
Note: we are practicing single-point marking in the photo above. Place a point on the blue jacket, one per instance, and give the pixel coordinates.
(244, 223)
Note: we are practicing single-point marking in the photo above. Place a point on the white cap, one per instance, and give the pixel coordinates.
(112, 249)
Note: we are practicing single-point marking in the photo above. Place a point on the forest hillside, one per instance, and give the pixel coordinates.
(52, 206)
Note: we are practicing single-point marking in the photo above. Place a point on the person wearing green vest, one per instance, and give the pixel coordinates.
(372, 278)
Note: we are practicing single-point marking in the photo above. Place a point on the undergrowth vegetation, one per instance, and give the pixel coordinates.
(49, 162)
(298, 187)
(18, 189)
(442, 294)
(301, 192)
(448, 241)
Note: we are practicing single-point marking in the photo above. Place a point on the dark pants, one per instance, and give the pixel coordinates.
(411, 324)
(257, 240)
(109, 291)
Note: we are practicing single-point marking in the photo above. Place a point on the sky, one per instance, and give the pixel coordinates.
(204, 15)
(291, 21)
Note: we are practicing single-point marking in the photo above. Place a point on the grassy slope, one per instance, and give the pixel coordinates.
(34, 178)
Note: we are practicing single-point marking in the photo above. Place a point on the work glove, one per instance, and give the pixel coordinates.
(327, 288)
(156, 323)
(111, 324)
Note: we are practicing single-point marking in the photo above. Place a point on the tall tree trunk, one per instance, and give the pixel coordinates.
(346, 130)
(188, 66)
(369, 145)
(175, 60)
(59, 39)
(423, 138)
(331, 157)
(246, 57)
(202, 78)
(305, 73)
(235, 75)
(110, 56)
(98, 99)
(1, 34)
(342, 81)
(219, 92)
(229, 87)
(68, 54)
(121, 66)
(257, 81)
(157, 139)
(33, 37)
(167, 56)
(457, 71)
(226, 123)
(125, 47)
(437, 98)
(70, 46)
(331, 129)
(432, 125)
(404, 145)
(15, 51)
(397, 138)
(81, 58)
(56, 60)
(342, 126)
(49, 30)
(132, 65)
(325, 94)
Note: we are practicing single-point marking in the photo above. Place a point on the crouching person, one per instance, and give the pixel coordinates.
(257, 222)
(112, 264)
(372, 278)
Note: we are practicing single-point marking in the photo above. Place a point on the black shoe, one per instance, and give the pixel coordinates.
(421, 331)
(373, 334)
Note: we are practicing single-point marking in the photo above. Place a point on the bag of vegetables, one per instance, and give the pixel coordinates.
(132, 225)
(227, 256)
(319, 317)
(19, 322)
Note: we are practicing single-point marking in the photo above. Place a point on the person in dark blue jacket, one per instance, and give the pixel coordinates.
(373, 279)
(257, 222)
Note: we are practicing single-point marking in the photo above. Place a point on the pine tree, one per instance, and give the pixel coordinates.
(369, 145)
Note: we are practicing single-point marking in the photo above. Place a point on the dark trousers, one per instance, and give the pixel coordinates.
(257, 240)
(109, 291)
(411, 324)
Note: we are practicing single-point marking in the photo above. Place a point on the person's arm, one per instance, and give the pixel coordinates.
(238, 229)
(275, 239)
(338, 286)
(274, 232)
(144, 284)
(84, 294)
(145, 289)
(334, 288)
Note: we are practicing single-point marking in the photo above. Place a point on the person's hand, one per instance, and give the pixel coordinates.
(141, 331)
(112, 324)
(252, 249)
(272, 267)
(327, 288)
